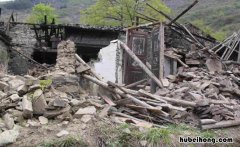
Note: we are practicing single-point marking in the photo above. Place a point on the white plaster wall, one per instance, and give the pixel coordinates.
(106, 67)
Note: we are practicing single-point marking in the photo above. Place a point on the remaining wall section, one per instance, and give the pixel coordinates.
(23, 39)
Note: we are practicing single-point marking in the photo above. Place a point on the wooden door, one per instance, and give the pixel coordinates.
(137, 42)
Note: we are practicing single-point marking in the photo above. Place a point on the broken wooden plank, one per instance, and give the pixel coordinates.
(175, 101)
(185, 11)
(222, 124)
(107, 100)
(86, 65)
(207, 121)
(136, 83)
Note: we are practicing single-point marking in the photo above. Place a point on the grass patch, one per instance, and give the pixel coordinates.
(128, 135)
(68, 142)
(45, 83)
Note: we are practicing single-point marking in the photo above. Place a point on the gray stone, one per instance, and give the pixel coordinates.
(22, 90)
(59, 103)
(3, 85)
(83, 111)
(15, 83)
(34, 87)
(8, 121)
(43, 120)
(15, 97)
(8, 137)
(86, 118)
(33, 123)
(75, 102)
(27, 108)
(62, 133)
(39, 103)
(2, 95)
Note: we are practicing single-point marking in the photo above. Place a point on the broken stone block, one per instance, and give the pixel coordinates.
(27, 108)
(39, 103)
(22, 90)
(165, 82)
(59, 103)
(55, 113)
(33, 123)
(2, 95)
(75, 102)
(8, 137)
(83, 111)
(43, 120)
(3, 85)
(86, 118)
(62, 133)
(15, 83)
(8, 121)
(15, 97)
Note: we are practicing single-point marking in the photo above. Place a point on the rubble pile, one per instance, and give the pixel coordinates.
(30, 102)
(66, 57)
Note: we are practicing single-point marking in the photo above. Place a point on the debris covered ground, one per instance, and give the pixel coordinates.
(55, 104)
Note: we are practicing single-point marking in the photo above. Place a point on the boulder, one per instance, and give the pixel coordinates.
(39, 103)
(8, 137)
(15, 97)
(8, 121)
(15, 83)
(27, 108)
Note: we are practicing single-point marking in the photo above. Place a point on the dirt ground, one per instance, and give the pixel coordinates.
(35, 136)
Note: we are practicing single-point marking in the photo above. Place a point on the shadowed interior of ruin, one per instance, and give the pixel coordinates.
(45, 57)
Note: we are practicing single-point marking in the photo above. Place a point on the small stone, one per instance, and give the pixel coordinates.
(59, 103)
(87, 110)
(8, 137)
(75, 102)
(43, 120)
(62, 133)
(143, 143)
(22, 90)
(15, 97)
(86, 118)
(33, 123)
(27, 108)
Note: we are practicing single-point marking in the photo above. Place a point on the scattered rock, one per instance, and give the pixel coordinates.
(27, 108)
(8, 121)
(75, 102)
(8, 137)
(60, 103)
(43, 120)
(39, 103)
(62, 133)
(15, 97)
(87, 110)
(86, 118)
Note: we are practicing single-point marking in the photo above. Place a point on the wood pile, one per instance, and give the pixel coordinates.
(193, 95)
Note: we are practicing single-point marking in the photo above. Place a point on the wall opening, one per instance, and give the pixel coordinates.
(88, 53)
(45, 57)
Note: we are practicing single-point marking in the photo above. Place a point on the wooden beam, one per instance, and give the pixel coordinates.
(185, 11)
(141, 65)
(161, 51)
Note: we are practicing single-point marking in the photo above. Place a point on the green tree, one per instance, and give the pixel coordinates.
(120, 12)
(39, 11)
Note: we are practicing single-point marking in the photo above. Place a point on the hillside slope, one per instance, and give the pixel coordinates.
(221, 15)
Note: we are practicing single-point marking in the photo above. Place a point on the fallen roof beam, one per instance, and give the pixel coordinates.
(185, 11)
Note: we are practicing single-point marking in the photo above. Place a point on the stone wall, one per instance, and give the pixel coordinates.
(3, 58)
(66, 57)
(23, 39)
